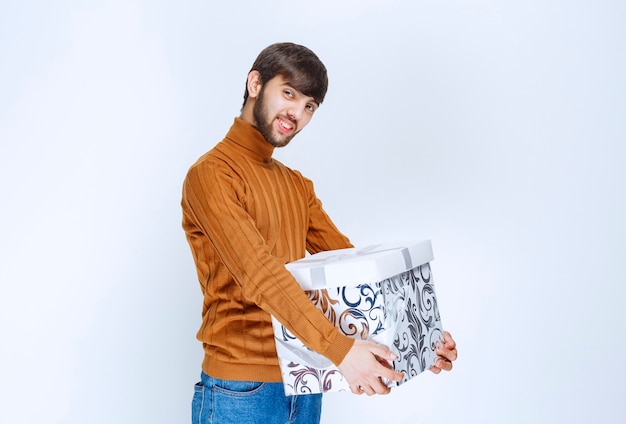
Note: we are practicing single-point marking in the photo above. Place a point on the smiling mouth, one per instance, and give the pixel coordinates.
(285, 125)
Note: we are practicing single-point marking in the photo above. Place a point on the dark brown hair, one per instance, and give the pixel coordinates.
(297, 64)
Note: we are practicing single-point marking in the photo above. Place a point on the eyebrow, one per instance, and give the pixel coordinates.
(290, 85)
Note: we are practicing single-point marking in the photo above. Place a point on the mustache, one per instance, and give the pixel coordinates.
(287, 118)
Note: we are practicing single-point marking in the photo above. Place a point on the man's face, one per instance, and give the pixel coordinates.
(281, 111)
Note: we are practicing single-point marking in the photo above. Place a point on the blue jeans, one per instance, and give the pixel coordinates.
(218, 401)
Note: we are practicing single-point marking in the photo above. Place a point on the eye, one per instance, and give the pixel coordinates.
(311, 107)
(288, 93)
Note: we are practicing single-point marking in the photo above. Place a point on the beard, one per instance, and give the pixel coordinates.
(264, 123)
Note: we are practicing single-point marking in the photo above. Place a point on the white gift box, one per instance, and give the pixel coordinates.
(382, 293)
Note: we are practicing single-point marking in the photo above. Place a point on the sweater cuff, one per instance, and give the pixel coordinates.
(339, 348)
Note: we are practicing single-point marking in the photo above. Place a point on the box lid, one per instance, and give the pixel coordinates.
(367, 265)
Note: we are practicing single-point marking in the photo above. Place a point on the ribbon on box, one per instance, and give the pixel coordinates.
(318, 273)
(318, 277)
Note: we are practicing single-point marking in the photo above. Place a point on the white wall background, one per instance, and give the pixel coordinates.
(494, 128)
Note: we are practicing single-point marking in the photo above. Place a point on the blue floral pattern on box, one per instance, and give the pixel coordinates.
(400, 312)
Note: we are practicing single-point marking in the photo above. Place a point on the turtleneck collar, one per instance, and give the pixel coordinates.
(250, 139)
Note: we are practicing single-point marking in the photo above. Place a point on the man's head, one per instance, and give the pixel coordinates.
(296, 64)
(285, 86)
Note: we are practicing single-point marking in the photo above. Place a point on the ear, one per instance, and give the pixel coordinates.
(254, 83)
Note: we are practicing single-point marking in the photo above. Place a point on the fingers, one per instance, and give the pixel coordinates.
(441, 365)
(447, 353)
(378, 388)
(390, 374)
(357, 390)
(381, 352)
(435, 370)
(448, 350)
(372, 383)
(448, 341)
(384, 356)
(366, 366)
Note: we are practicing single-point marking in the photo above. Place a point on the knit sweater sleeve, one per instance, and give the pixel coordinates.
(323, 235)
(212, 200)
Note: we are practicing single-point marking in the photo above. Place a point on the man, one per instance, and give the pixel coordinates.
(245, 216)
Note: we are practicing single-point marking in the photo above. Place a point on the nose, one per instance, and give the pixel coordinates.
(296, 111)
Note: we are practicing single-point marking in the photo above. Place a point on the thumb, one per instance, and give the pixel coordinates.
(383, 354)
(381, 351)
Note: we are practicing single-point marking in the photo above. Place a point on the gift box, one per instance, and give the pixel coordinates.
(382, 293)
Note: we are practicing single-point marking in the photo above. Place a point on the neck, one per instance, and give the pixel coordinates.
(247, 112)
